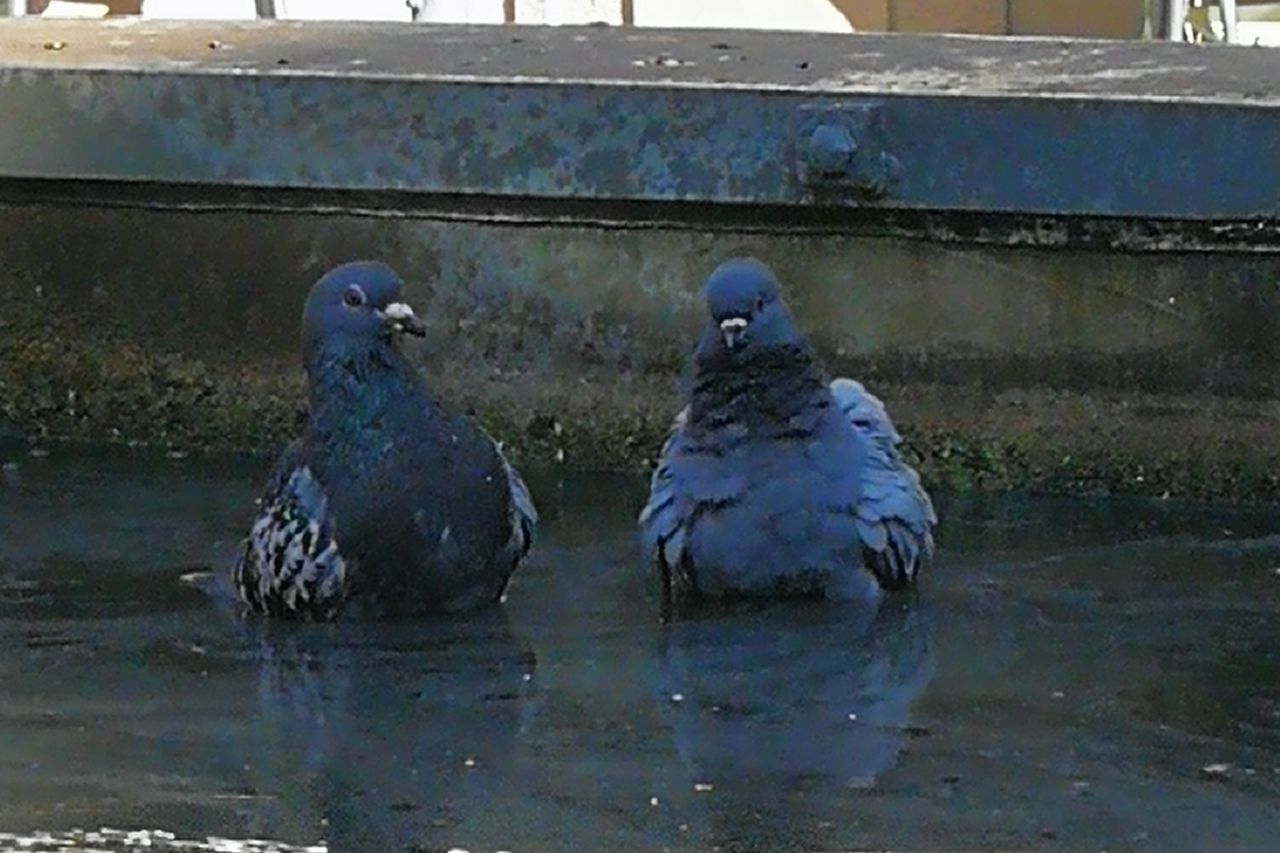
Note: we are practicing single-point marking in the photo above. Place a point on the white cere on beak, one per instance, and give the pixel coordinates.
(399, 311)
(731, 327)
(401, 318)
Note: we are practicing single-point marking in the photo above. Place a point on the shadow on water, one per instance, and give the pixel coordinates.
(1100, 674)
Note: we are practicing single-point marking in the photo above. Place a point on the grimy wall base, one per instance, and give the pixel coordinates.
(1056, 261)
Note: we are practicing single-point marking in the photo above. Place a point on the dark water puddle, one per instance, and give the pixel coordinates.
(1083, 674)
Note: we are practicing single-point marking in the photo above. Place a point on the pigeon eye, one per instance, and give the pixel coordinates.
(759, 304)
(354, 297)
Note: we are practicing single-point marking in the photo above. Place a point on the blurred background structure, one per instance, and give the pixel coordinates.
(1242, 21)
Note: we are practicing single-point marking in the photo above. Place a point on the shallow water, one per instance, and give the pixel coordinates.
(1077, 674)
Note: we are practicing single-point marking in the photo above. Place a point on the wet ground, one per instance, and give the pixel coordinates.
(1074, 674)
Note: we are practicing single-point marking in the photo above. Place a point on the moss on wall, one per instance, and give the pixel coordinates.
(1049, 371)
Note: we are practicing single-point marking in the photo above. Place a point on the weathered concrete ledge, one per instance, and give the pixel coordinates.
(854, 124)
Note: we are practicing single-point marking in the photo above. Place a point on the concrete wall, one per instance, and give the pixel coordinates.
(165, 205)
(1061, 370)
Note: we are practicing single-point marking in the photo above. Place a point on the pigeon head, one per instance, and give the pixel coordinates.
(354, 304)
(746, 314)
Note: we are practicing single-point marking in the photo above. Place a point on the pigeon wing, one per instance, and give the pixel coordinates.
(524, 516)
(664, 521)
(290, 565)
(894, 513)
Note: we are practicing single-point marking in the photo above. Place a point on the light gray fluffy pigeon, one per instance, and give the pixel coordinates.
(774, 483)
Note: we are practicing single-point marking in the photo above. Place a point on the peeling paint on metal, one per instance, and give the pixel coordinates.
(1055, 132)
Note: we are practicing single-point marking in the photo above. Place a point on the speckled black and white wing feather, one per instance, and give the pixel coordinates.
(290, 565)
(895, 515)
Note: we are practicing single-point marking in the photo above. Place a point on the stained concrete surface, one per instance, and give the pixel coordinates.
(1058, 370)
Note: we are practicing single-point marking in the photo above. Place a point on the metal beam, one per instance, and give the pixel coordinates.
(1035, 127)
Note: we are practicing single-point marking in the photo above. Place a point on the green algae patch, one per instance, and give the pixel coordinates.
(57, 386)
(63, 379)
(57, 383)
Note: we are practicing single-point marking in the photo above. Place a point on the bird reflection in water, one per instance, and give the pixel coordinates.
(811, 700)
(390, 736)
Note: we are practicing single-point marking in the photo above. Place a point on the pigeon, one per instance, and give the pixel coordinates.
(773, 482)
(387, 504)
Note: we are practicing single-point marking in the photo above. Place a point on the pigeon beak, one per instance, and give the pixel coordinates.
(732, 329)
(400, 318)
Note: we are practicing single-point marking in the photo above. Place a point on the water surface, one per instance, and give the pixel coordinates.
(1078, 674)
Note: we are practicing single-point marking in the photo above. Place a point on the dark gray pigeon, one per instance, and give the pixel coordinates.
(387, 504)
(770, 484)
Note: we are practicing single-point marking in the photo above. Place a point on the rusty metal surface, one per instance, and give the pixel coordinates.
(967, 125)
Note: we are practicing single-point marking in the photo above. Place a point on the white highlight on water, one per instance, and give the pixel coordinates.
(107, 840)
